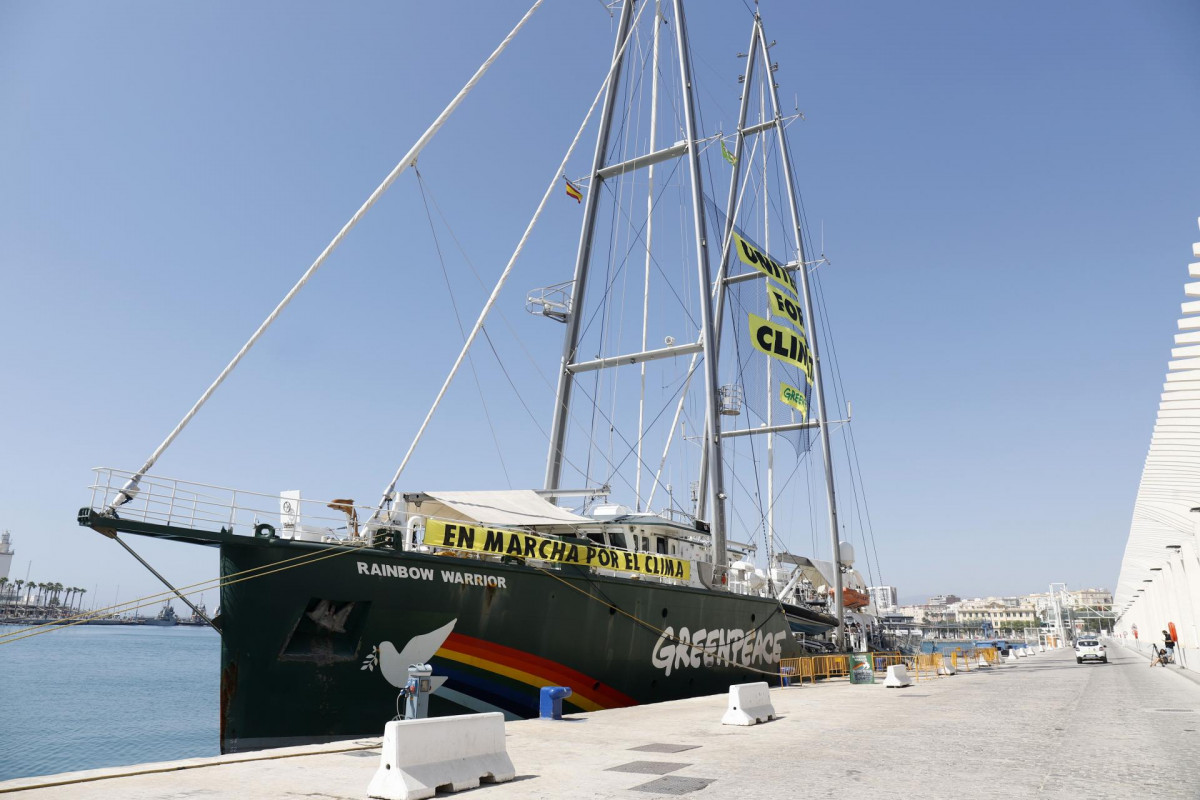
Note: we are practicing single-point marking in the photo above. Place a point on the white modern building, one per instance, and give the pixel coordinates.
(1159, 583)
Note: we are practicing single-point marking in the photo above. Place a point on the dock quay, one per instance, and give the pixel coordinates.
(1042, 727)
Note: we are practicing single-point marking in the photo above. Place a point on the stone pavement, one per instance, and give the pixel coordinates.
(1043, 727)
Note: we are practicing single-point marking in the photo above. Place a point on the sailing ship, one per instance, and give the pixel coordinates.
(324, 605)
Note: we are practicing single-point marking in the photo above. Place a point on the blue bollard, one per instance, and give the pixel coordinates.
(551, 701)
(786, 675)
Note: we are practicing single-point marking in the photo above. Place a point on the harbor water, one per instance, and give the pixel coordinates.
(86, 697)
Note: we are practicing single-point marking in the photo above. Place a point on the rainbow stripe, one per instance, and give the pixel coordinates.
(502, 676)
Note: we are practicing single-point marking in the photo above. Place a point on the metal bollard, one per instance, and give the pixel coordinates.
(417, 690)
(550, 706)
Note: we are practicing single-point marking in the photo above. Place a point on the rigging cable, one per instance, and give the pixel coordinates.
(462, 331)
(388, 493)
(507, 324)
(127, 492)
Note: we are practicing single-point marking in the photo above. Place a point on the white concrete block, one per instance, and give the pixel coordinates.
(1012, 656)
(983, 662)
(947, 668)
(1020, 651)
(749, 704)
(1041, 648)
(897, 676)
(422, 755)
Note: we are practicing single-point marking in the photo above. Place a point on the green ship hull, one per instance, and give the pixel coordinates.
(305, 650)
(316, 638)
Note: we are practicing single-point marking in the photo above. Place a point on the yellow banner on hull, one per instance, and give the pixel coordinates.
(503, 542)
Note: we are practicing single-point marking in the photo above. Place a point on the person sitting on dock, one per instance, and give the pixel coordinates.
(1160, 657)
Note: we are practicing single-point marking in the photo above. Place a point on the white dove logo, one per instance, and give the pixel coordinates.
(393, 664)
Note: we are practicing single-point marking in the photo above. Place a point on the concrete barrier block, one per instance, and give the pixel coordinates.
(422, 755)
(947, 668)
(1012, 657)
(897, 676)
(1020, 651)
(983, 662)
(749, 704)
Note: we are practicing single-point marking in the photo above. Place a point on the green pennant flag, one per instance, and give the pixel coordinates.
(728, 155)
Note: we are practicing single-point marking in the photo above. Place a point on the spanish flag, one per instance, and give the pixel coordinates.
(573, 191)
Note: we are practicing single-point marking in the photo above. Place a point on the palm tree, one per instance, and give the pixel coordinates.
(3, 588)
(19, 582)
(79, 603)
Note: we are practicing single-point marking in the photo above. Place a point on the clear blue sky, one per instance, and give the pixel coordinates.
(1008, 195)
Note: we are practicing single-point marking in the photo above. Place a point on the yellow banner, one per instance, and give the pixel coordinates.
(790, 395)
(784, 306)
(749, 254)
(502, 542)
(782, 343)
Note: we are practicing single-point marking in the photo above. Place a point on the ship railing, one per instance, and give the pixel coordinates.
(178, 503)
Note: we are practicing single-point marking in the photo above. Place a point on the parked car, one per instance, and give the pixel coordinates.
(1090, 650)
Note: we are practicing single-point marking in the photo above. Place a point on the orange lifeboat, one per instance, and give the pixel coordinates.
(853, 599)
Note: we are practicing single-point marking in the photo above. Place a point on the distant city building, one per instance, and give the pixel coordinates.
(1091, 598)
(6, 553)
(1001, 612)
(917, 613)
(883, 597)
(944, 600)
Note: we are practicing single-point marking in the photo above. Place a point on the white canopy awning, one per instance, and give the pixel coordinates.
(515, 507)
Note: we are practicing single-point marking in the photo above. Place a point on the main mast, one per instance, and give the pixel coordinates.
(707, 343)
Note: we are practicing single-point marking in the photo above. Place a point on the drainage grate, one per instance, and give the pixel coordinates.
(648, 767)
(1178, 710)
(674, 785)
(665, 748)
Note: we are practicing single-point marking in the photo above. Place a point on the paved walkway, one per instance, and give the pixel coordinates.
(1043, 727)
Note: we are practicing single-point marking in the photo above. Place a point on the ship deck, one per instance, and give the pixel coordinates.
(1042, 727)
